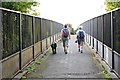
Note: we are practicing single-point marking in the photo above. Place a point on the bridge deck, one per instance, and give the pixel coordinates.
(71, 65)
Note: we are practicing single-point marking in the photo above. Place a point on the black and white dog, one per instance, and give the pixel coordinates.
(53, 46)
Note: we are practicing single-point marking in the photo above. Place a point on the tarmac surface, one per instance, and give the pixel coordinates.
(71, 65)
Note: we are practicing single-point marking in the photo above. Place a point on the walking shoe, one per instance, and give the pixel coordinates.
(79, 50)
(65, 52)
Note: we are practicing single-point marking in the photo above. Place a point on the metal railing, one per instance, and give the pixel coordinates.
(104, 31)
(22, 38)
(23, 30)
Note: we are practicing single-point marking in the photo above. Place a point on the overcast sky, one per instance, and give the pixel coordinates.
(71, 11)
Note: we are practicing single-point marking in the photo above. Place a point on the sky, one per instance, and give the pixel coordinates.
(74, 12)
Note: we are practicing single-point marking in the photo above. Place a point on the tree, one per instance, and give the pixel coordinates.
(112, 5)
(70, 28)
(10, 23)
(25, 7)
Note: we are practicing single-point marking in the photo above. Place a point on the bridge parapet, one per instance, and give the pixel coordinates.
(22, 38)
(103, 35)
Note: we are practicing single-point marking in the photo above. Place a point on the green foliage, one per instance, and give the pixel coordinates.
(19, 6)
(112, 5)
(24, 77)
(10, 33)
(31, 68)
(76, 30)
(104, 72)
(71, 29)
(38, 62)
(36, 13)
(25, 7)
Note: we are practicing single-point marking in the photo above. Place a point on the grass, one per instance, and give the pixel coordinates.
(104, 72)
(32, 67)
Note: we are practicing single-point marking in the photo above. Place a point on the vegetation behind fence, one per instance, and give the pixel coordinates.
(22, 30)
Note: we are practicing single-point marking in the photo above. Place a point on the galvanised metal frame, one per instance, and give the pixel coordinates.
(33, 37)
(112, 24)
(103, 38)
(112, 40)
(20, 42)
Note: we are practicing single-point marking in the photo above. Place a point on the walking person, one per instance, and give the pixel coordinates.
(80, 39)
(65, 35)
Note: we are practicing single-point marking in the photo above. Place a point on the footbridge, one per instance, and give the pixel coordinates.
(25, 50)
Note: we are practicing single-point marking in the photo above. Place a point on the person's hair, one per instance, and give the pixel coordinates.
(80, 28)
(65, 26)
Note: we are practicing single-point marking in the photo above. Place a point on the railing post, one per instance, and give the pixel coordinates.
(40, 37)
(93, 41)
(1, 43)
(0, 3)
(33, 39)
(93, 34)
(90, 32)
(97, 39)
(20, 42)
(103, 39)
(112, 40)
(41, 34)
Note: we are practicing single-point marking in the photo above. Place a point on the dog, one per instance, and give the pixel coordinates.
(54, 46)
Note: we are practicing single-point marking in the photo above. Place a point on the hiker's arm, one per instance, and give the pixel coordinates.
(69, 35)
(77, 35)
(61, 34)
(84, 36)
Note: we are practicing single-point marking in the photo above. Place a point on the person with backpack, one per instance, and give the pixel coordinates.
(80, 39)
(65, 35)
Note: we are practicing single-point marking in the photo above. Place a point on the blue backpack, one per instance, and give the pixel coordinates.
(81, 35)
(65, 32)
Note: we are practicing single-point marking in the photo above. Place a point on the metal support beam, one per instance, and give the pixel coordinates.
(33, 37)
(112, 40)
(20, 42)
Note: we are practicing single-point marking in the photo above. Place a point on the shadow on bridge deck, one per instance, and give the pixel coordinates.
(71, 65)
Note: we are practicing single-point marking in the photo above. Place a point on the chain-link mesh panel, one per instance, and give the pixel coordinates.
(52, 30)
(95, 28)
(60, 27)
(91, 24)
(43, 29)
(116, 28)
(26, 25)
(1, 38)
(100, 28)
(37, 29)
(10, 33)
(86, 27)
(107, 29)
(89, 27)
(55, 27)
(48, 28)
